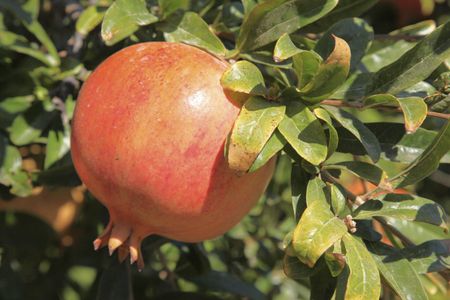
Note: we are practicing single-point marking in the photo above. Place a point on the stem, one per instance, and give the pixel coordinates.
(340, 103)
(352, 199)
(380, 37)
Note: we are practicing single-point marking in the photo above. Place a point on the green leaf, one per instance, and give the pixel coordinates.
(344, 9)
(363, 279)
(27, 127)
(387, 54)
(337, 200)
(415, 65)
(11, 173)
(191, 29)
(323, 284)
(12, 106)
(356, 32)
(254, 126)
(430, 256)
(333, 138)
(20, 44)
(27, 14)
(428, 162)
(115, 282)
(395, 144)
(295, 269)
(269, 20)
(304, 133)
(317, 230)
(359, 130)
(299, 180)
(221, 281)
(422, 28)
(244, 77)
(284, 48)
(168, 7)
(58, 145)
(335, 259)
(90, 18)
(274, 145)
(306, 64)
(265, 58)
(11, 161)
(330, 75)
(354, 88)
(315, 191)
(404, 207)
(361, 169)
(397, 272)
(414, 108)
(417, 232)
(123, 18)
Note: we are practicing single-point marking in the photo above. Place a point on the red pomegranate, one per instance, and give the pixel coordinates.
(148, 136)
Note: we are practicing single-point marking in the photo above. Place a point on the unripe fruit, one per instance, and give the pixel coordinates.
(148, 135)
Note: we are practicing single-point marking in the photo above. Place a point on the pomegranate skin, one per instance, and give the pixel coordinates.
(147, 140)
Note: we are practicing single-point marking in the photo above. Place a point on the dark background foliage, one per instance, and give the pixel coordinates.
(48, 222)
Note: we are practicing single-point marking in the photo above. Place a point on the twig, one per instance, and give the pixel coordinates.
(354, 199)
(380, 37)
(340, 103)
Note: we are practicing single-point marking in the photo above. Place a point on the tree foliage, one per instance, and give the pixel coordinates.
(333, 100)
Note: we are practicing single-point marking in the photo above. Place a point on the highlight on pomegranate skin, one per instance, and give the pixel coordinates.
(148, 135)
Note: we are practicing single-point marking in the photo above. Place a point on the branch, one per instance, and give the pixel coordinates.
(340, 103)
(380, 37)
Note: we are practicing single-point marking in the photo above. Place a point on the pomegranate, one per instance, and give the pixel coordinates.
(148, 135)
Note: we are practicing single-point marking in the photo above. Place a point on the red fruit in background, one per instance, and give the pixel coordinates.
(147, 140)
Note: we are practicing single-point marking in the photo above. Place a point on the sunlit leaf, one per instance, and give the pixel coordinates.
(306, 64)
(338, 200)
(344, 9)
(90, 18)
(123, 18)
(28, 14)
(414, 108)
(274, 145)
(315, 191)
(271, 19)
(415, 65)
(317, 230)
(358, 129)
(333, 138)
(361, 169)
(363, 280)
(168, 7)
(404, 207)
(191, 29)
(304, 133)
(356, 32)
(397, 271)
(20, 44)
(418, 232)
(428, 161)
(395, 144)
(331, 74)
(284, 48)
(58, 145)
(256, 122)
(244, 77)
(265, 58)
(27, 127)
